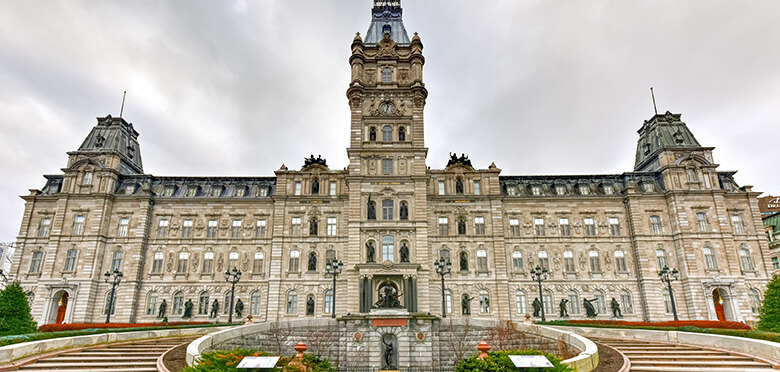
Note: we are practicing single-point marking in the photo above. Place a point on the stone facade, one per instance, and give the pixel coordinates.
(600, 236)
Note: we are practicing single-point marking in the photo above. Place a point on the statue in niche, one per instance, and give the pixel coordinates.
(310, 306)
(371, 207)
(465, 303)
(313, 226)
(464, 261)
(404, 213)
(389, 354)
(537, 305)
(161, 311)
(372, 134)
(239, 308)
(404, 251)
(188, 309)
(563, 311)
(590, 310)
(312, 261)
(214, 309)
(388, 298)
(459, 186)
(370, 251)
(615, 308)
(461, 226)
(315, 187)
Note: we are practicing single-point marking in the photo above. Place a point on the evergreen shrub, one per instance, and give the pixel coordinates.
(15, 318)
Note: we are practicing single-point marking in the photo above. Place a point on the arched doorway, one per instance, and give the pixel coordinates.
(717, 300)
(59, 307)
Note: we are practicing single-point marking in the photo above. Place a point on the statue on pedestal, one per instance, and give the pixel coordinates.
(163, 307)
(590, 310)
(214, 309)
(465, 303)
(370, 251)
(404, 252)
(564, 312)
(615, 308)
(537, 307)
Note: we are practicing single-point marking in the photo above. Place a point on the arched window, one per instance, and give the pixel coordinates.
(116, 261)
(625, 302)
(372, 134)
(660, 255)
(254, 303)
(520, 303)
(601, 304)
(110, 302)
(70, 260)
(312, 263)
(709, 258)
(328, 305)
(574, 302)
(484, 302)
(387, 134)
(30, 298)
(544, 262)
(208, 262)
(178, 303)
(233, 260)
(517, 261)
(464, 261)
(151, 303)
(568, 262)
(746, 259)
(295, 260)
(313, 226)
(292, 302)
(482, 263)
(401, 134)
(388, 249)
(203, 303)
(181, 265)
(755, 300)
(595, 262)
(387, 73)
(444, 254)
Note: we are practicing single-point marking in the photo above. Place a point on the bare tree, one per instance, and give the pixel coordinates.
(322, 340)
(458, 338)
(279, 334)
(505, 336)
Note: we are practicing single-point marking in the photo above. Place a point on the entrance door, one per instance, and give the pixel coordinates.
(718, 302)
(62, 307)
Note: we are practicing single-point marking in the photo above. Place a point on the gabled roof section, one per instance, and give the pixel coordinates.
(386, 16)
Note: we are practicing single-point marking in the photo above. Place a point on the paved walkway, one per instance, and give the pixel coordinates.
(137, 356)
(657, 357)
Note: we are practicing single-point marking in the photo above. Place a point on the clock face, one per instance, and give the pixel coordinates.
(387, 108)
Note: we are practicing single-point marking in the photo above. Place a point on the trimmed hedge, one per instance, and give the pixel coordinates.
(498, 361)
(227, 360)
(10, 340)
(78, 326)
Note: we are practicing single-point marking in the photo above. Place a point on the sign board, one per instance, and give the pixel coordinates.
(769, 204)
(258, 362)
(527, 361)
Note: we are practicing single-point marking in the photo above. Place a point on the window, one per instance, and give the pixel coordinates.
(226, 307)
(257, 264)
(162, 229)
(208, 262)
(35, 262)
(514, 227)
(547, 302)
(574, 302)
(203, 303)
(151, 303)
(656, 226)
(332, 188)
(181, 266)
(87, 180)
(709, 258)
(755, 301)
(70, 260)
(254, 303)
(401, 134)
(609, 190)
(232, 260)
(601, 305)
(746, 259)
(129, 189)
(448, 300)
(660, 255)
(313, 226)
(387, 75)
(648, 187)
(235, 231)
(110, 303)
(239, 192)
(328, 305)
(78, 225)
(116, 261)
(590, 226)
(192, 191)
(479, 225)
(536, 190)
(387, 209)
(482, 265)
(701, 219)
(387, 134)
(441, 187)
(260, 229)
(539, 226)
(444, 226)
(43, 227)
(776, 262)
(168, 192)
(739, 226)
(620, 261)
(692, 175)
(517, 261)
(568, 261)
(211, 229)
(388, 249)
(477, 190)
(295, 227)
(511, 190)
(595, 262)
(297, 188)
(560, 190)
(295, 260)
(484, 302)
(157, 262)
(625, 302)
(667, 302)
(584, 189)
(186, 229)
(387, 166)
(30, 298)
(520, 302)
(330, 255)
(292, 302)
(178, 303)
(123, 225)
(544, 262)
(332, 226)
(565, 228)
(614, 226)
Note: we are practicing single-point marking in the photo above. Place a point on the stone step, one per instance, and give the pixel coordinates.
(101, 353)
(699, 363)
(697, 369)
(707, 358)
(105, 358)
(130, 349)
(47, 363)
(137, 369)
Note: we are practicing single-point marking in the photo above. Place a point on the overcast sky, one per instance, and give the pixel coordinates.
(240, 87)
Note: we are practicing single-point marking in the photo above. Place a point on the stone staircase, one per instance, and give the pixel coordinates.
(137, 356)
(657, 357)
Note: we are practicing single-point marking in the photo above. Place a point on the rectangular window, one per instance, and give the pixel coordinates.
(444, 226)
(739, 226)
(590, 226)
(211, 230)
(479, 225)
(565, 228)
(116, 261)
(477, 190)
(387, 166)
(295, 227)
(539, 226)
(776, 263)
(162, 229)
(87, 180)
(235, 231)
(70, 260)
(701, 219)
(388, 250)
(448, 301)
(614, 226)
(124, 222)
(584, 189)
(660, 256)
(482, 265)
(441, 187)
(257, 265)
(595, 262)
(709, 258)
(517, 261)
(260, 229)
(186, 229)
(547, 301)
(35, 262)
(157, 262)
(620, 261)
(655, 225)
(536, 190)
(298, 188)
(609, 190)
(387, 209)
(43, 227)
(520, 302)
(181, 265)
(514, 226)
(208, 262)
(560, 190)
(332, 188)
(332, 226)
(568, 261)
(295, 260)
(625, 301)
(78, 225)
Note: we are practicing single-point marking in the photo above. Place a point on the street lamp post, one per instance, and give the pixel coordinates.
(232, 277)
(539, 274)
(333, 268)
(115, 278)
(443, 268)
(667, 276)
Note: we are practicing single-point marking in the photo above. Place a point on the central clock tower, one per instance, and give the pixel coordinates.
(387, 178)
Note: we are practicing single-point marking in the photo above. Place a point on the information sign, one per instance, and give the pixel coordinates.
(527, 361)
(258, 362)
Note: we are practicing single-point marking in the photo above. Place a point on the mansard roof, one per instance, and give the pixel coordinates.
(115, 135)
(386, 16)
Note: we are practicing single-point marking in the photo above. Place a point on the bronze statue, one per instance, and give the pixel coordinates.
(214, 309)
(310, 306)
(464, 261)
(370, 251)
(188, 309)
(312, 160)
(537, 307)
(465, 303)
(404, 212)
(389, 354)
(461, 226)
(459, 186)
(239, 308)
(388, 298)
(563, 311)
(590, 310)
(312, 262)
(454, 159)
(404, 251)
(163, 307)
(371, 208)
(615, 308)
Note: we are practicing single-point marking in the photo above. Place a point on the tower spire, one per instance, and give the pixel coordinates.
(386, 17)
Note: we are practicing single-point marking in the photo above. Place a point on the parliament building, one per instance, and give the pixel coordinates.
(388, 217)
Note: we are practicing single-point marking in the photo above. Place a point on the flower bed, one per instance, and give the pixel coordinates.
(674, 323)
(78, 326)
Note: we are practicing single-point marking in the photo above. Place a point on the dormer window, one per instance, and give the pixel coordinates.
(87, 180)
(387, 75)
(386, 29)
(536, 190)
(584, 190)
(168, 192)
(609, 190)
